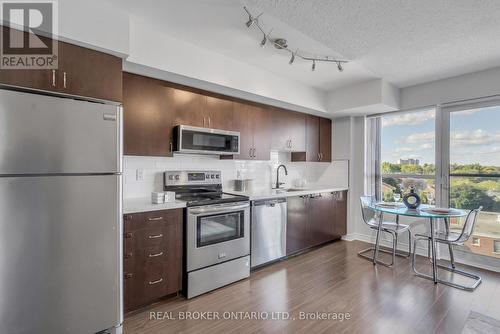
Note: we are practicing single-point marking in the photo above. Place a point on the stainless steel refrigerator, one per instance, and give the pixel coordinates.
(60, 215)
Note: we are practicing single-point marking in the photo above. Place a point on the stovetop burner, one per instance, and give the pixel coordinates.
(198, 187)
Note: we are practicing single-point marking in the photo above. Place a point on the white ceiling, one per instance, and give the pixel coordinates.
(403, 41)
(406, 42)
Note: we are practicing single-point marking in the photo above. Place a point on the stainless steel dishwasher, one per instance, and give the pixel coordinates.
(268, 238)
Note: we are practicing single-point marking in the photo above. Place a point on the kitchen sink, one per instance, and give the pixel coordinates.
(296, 189)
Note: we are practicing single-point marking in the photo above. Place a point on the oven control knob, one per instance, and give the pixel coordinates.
(177, 177)
(170, 177)
(212, 176)
(207, 176)
(217, 176)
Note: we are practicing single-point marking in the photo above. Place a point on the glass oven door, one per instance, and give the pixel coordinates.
(217, 228)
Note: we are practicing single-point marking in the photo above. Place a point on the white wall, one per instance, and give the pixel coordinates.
(374, 96)
(468, 86)
(263, 172)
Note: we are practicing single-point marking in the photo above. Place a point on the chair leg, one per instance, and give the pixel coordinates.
(409, 243)
(452, 257)
(477, 279)
(363, 252)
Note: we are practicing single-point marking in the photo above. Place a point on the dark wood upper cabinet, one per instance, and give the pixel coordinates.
(148, 110)
(288, 130)
(243, 124)
(219, 114)
(89, 73)
(312, 138)
(255, 130)
(325, 139)
(189, 108)
(262, 132)
(81, 71)
(36, 79)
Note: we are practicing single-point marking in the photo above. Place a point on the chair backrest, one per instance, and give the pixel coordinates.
(468, 227)
(367, 212)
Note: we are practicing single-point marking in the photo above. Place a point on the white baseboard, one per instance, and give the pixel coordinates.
(422, 250)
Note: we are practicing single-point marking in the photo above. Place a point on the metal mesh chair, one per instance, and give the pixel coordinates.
(452, 239)
(394, 229)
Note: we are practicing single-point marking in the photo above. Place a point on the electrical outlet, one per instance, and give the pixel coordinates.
(139, 175)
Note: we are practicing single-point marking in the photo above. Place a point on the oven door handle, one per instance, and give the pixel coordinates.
(222, 208)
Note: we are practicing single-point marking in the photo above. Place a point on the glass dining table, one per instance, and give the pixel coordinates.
(423, 212)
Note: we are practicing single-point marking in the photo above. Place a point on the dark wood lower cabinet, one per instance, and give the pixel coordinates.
(152, 251)
(315, 219)
(296, 226)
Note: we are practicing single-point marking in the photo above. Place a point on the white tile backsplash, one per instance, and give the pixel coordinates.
(262, 172)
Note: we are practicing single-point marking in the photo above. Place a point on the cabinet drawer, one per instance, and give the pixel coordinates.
(137, 221)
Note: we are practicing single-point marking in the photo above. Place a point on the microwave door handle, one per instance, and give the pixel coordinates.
(218, 209)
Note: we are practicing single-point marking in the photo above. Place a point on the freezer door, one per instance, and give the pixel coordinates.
(44, 134)
(60, 254)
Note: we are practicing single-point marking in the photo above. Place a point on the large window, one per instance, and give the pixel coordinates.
(407, 155)
(474, 170)
(451, 155)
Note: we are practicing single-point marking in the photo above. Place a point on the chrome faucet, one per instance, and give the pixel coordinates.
(278, 183)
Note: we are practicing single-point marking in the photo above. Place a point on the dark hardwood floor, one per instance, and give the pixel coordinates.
(330, 279)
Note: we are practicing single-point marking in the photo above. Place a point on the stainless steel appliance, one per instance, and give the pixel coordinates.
(268, 231)
(191, 139)
(217, 231)
(60, 215)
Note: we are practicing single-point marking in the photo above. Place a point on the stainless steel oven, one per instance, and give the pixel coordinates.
(217, 233)
(191, 139)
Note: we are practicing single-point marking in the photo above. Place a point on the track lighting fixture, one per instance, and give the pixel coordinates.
(281, 44)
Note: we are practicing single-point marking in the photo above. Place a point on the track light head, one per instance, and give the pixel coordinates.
(264, 41)
(313, 65)
(339, 67)
(292, 59)
(250, 21)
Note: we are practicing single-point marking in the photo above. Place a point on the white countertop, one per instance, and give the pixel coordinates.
(259, 194)
(143, 204)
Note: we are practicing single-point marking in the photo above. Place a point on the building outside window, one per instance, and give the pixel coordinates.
(476, 241)
(496, 246)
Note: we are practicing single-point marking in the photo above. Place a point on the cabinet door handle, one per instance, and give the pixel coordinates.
(171, 147)
(156, 255)
(127, 255)
(128, 235)
(155, 236)
(155, 219)
(64, 79)
(320, 156)
(204, 120)
(254, 152)
(155, 282)
(250, 153)
(53, 78)
(209, 121)
(128, 275)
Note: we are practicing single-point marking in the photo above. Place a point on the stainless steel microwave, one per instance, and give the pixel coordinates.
(196, 140)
